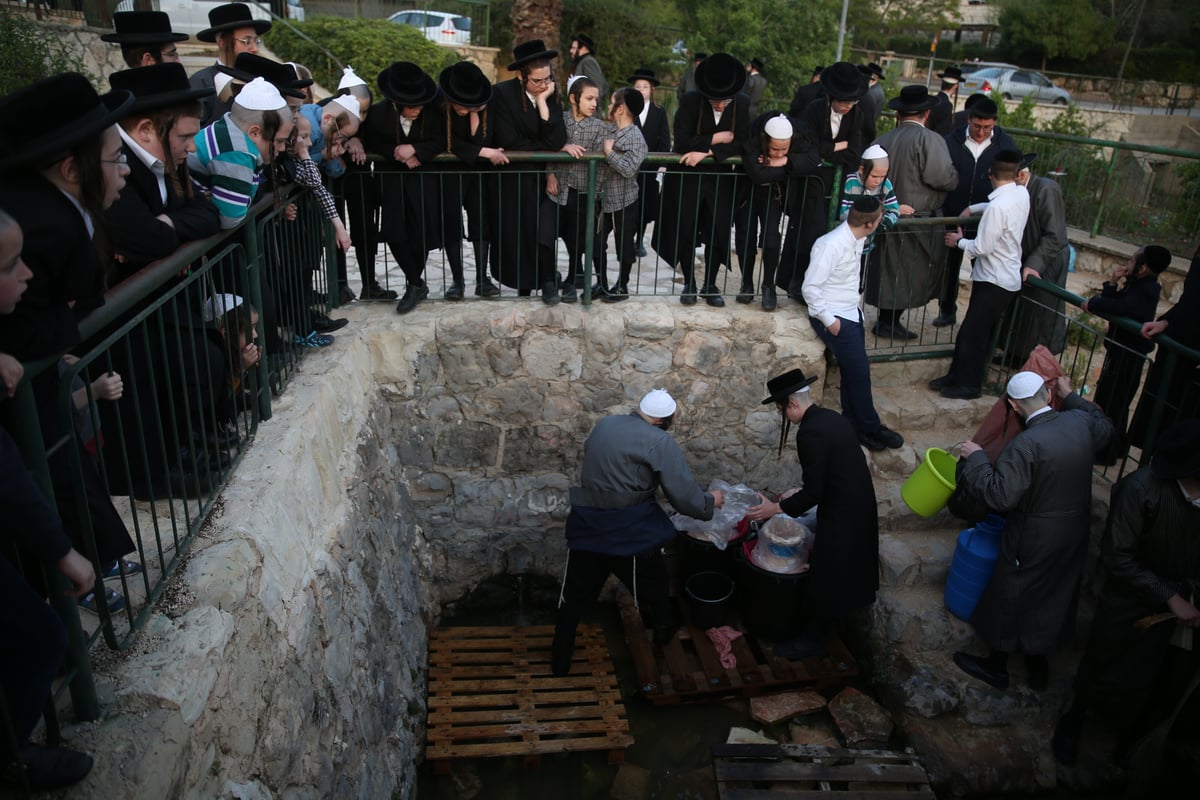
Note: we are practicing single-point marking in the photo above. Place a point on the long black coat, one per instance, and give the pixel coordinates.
(1150, 552)
(845, 555)
(657, 133)
(851, 131)
(941, 116)
(1042, 483)
(516, 195)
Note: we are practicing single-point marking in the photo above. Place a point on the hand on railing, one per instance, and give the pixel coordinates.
(341, 235)
(354, 149)
(108, 387)
(573, 150)
(1150, 329)
(906, 210)
(953, 237)
(494, 154)
(78, 571)
(1028, 272)
(693, 158)
(290, 212)
(10, 373)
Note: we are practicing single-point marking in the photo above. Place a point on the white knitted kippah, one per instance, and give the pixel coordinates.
(874, 152)
(347, 102)
(350, 79)
(1024, 385)
(219, 305)
(778, 127)
(658, 404)
(258, 95)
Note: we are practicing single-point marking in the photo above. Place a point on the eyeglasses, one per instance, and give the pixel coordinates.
(173, 53)
(246, 41)
(540, 81)
(121, 160)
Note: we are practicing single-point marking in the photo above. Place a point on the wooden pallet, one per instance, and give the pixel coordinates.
(762, 771)
(491, 694)
(688, 667)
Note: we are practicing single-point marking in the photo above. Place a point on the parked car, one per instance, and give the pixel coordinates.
(191, 16)
(438, 26)
(1015, 84)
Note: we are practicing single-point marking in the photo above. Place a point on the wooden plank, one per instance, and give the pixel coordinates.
(807, 771)
(644, 663)
(715, 675)
(678, 667)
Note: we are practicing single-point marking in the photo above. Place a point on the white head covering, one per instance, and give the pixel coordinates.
(258, 95)
(350, 79)
(571, 81)
(349, 103)
(221, 82)
(658, 404)
(1024, 385)
(778, 127)
(874, 152)
(219, 305)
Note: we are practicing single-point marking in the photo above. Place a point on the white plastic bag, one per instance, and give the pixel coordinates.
(783, 545)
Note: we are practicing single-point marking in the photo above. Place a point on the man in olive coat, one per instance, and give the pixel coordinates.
(845, 560)
(1042, 483)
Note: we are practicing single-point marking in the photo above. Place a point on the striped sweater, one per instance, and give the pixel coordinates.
(227, 166)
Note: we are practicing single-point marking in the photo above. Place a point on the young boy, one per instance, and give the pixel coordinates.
(624, 151)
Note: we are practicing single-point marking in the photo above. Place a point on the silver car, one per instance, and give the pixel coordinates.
(1016, 84)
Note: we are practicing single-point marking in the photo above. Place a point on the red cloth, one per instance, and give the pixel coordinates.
(722, 639)
(1001, 425)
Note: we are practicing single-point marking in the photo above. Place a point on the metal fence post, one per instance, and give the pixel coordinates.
(589, 233)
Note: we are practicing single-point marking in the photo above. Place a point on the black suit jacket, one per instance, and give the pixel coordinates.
(941, 116)
(804, 97)
(138, 237)
(65, 266)
(695, 125)
(515, 123)
(816, 115)
(657, 131)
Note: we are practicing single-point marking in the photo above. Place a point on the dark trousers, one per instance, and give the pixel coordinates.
(759, 219)
(850, 349)
(33, 641)
(1119, 379)
(987, 305)
(626, 223)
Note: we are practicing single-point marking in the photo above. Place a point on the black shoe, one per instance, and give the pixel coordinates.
(979, 668)
(615, 295)
(413, 295)
(890, 439)
(713, 297)
(455, 291)
(323, 324)
(376, 292)
(345, 294)
(1065, 742)
(746, 295)
(641, 251)
(871, 441)
(688, 295)
(944, 320)
(769, 299)
(487, 289)
(48, 768)
(795, 291)
(568, 293)
(550, 293)
(959, 392)
(892, 331)
(599, 292)
(937, 384)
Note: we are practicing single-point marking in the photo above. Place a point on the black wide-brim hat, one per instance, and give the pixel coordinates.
(843, 81)
(720, 76)
(230, 17)
(249, 66)
(526, 52)
(871, 68)
(951, 73)
(643, 74)
(913, 99)
(51, 116)
(142, 27)
(1178, 452)
(157, 86)
(790, 382)
(758, 65)
(406, 84)
(465, 84)
(586, 41)
(1027, 160)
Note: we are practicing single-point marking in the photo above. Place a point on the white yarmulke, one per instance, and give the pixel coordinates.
(571, 81)
(347, 102)
(1024, 385)
(658, 404)
(350, 79)
(778, 127)
(221, 82)
(219, 305)
(258, 95)
(874, 153)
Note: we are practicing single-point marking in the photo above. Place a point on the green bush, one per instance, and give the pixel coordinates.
(28, 53)
(368, 45)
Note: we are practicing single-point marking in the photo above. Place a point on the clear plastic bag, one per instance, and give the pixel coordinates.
(783, 545)
(722, 528)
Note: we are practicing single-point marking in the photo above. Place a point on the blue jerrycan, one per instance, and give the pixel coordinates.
(974, 559)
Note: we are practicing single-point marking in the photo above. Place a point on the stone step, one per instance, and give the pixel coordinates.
(916, 619)
(916, 557)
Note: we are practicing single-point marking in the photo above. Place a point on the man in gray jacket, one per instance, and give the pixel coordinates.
(616, 525)
(1042, 483)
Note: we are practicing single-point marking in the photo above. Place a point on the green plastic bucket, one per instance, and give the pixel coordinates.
(931, 484)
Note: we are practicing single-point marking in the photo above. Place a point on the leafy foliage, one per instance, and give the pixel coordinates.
(628, 34)
(368, 45)
(28, 53)
(1020, 117)
(876, 25)
(1067, 28)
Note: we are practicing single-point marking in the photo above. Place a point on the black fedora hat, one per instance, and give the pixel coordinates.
(526, 52)
(157, 86)
(913, 99)
(786, 384)
(951, 75)
(230, 17)
(465, 84)
(142, 27)
(757, 63)
(643, 74)
(66, 110)
(1178, 452)
(1027, 160)
(720, 76)
(586, 41)
(283, 77)
(406, 84)
(842, 80)
(870, 69)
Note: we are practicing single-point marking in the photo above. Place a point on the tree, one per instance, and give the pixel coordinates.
(536, 19)
(1063, 28)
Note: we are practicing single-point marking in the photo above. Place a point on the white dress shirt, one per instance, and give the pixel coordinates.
(996, 247)
(153, 162)
(833, 277)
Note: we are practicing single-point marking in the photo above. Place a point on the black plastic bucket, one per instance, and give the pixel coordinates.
(701, 555)
(709, 593)
(770, 603)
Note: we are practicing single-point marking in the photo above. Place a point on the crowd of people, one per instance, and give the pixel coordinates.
(114, 182)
